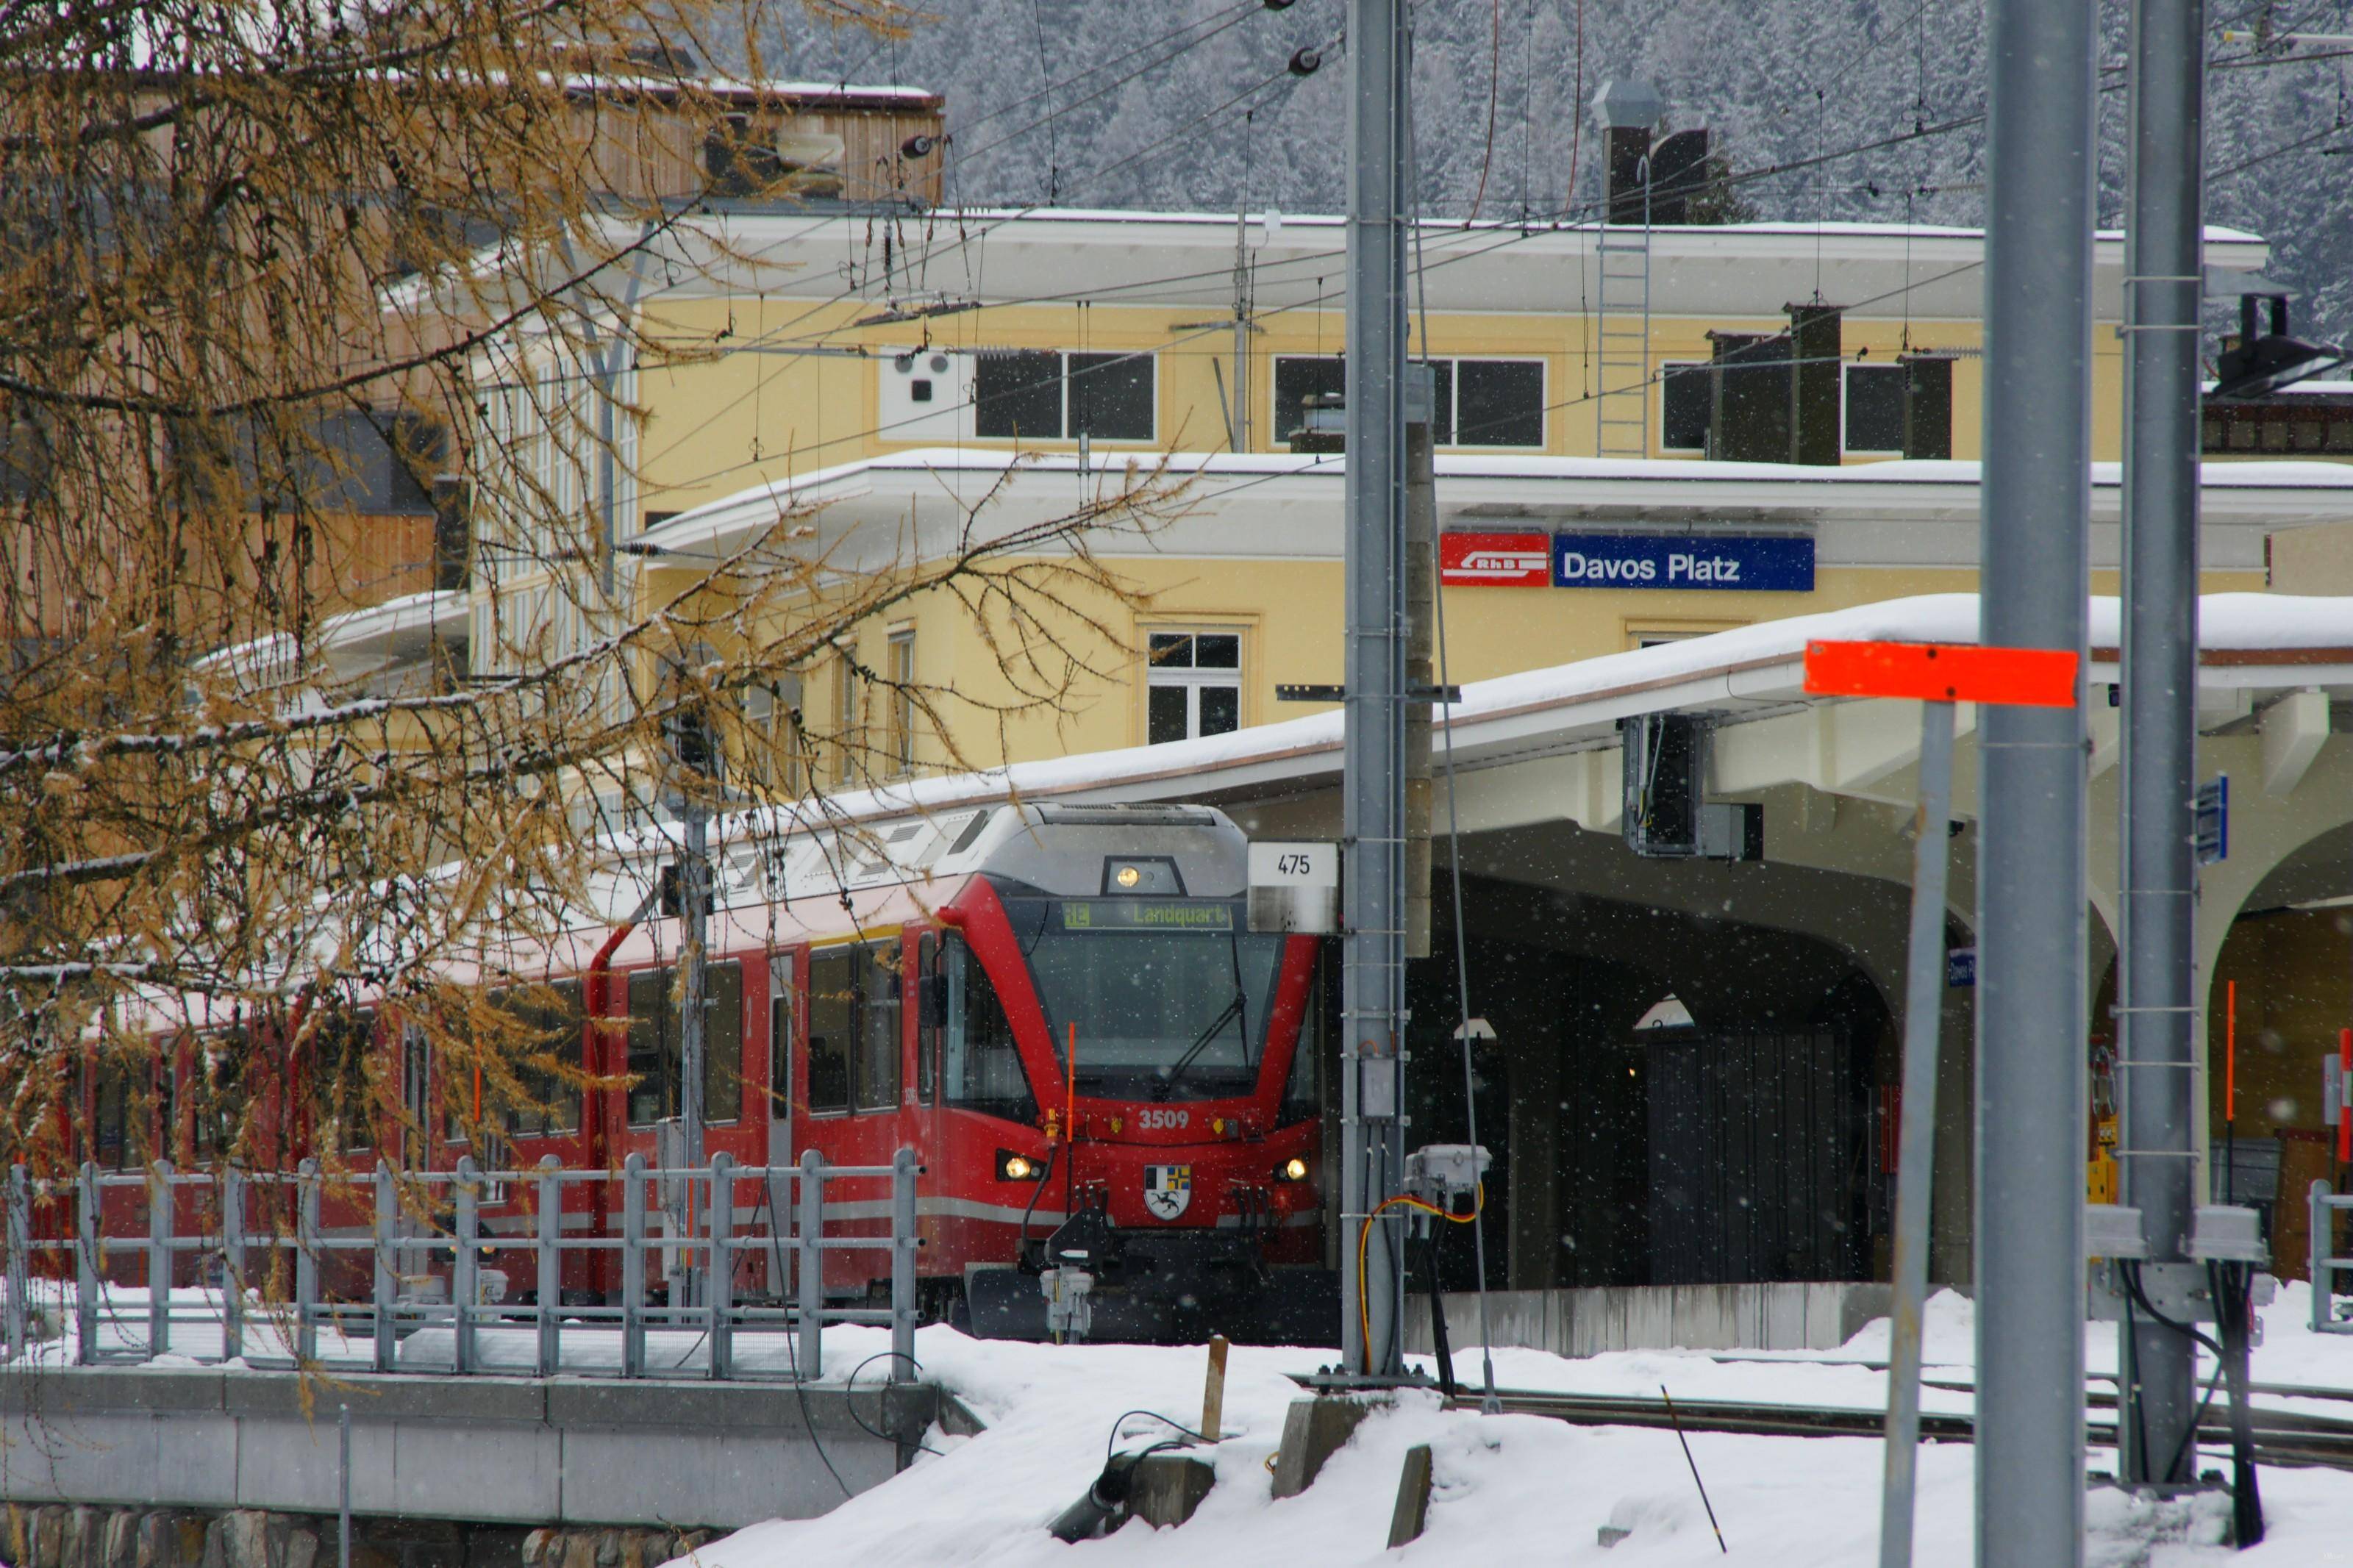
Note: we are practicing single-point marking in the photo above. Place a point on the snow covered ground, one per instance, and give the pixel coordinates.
(1507, 1490)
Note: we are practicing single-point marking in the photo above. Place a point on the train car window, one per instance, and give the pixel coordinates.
(653, 1047)
(832, 1026)
(722, 1043)
(549, 1046)
(113, 1108)
(980, 1067)
(931, 1014)
(780, 1035)
(877, 1032)
(342, 1101)
(218, 1088)
(416, 1083)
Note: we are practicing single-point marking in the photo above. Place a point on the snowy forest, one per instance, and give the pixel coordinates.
(1844, 110)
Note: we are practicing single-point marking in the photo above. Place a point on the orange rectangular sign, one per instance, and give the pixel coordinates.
(1943, 672)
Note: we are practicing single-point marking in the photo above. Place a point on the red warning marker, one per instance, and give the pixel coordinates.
(1943, 672)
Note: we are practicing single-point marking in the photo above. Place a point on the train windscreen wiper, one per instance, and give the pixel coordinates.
(1173, 1070)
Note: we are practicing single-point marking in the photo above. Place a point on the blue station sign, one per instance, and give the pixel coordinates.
(1709, 563)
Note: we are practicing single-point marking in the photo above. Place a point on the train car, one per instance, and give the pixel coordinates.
(1060, 1008)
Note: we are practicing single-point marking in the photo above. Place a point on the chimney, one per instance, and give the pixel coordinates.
(1630, 110)
(1678, 173)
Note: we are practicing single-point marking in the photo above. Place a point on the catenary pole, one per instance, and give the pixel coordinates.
(1372, 980)
(1924, 1000)
(2158, 1004)
(2031, 1072)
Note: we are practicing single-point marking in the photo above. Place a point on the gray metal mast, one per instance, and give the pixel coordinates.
(2163, 287)
(1372, 978)
(2030, 1089)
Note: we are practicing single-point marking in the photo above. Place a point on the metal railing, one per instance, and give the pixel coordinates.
(2326, 1264)
(231, 1322)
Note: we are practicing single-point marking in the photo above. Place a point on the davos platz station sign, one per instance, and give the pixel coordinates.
(1705, 562)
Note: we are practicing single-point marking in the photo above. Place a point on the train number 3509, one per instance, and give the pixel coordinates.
(1152, 1120)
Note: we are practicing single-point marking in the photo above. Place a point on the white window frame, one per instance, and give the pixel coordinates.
(1455, 385)
(1668, 366)
(1194, 681)
(1846, 373)
(1150, 358)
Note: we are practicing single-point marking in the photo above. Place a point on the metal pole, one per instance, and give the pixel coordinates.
(810, 1364)
(694, 898)
(2031, 1087)
(633, 1267)
(306, 1262)
(2156, 973)
(1372, 983)
(343, 1501)
(1924, 1001)
(549, 1290)
(386, 1284)
(232, 1220)
(904, 1241)
(159, 1260)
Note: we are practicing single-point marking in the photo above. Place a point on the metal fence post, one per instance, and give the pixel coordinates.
(159, 1259)
(306, 1262)
(20, 1235)
(2323, 1276)
(718, 1268)
(465, 1281)
(633, 1267)
(550, 1264)
(229, 1190)
(86, 1285)
(904, 1243)
(385, 1288)
(807, 1244)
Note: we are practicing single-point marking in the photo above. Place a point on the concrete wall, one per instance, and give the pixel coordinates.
(480, 1449)
(1657, 1317)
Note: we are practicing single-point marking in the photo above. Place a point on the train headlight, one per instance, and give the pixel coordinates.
(1292, 1170)
(1012, 1167)
(1128, 876)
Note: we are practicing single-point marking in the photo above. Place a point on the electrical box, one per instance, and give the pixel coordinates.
(1439, 1172)
(926, 395)
(2227, 1233)
(2113, 1231)
(1667, 816)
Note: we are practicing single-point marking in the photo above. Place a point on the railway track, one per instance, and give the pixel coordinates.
(2291, 1439)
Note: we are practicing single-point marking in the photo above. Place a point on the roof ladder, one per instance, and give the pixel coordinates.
(1621, 398)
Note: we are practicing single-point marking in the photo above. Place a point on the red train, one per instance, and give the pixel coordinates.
(1059, 1007)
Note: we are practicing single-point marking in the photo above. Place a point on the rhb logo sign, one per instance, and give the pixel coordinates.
(1495, 559)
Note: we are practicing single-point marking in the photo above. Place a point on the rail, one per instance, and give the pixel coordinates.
(2325, 1262)
(691, 1227)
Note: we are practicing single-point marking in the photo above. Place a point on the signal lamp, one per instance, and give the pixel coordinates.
(1292, 1170)
(1012, 1167)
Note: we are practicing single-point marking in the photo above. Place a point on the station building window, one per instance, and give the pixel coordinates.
(1480, 402)
(1873, 419)
(1686, 399)
(1192, 685)
(1047, 394)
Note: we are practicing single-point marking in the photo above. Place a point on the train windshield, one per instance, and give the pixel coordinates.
(1169, 998)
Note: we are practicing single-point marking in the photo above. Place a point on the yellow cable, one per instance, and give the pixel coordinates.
(1364, 1233)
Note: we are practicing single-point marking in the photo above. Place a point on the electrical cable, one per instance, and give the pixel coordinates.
(1365, 1231)
(1112, 1441)
(850, 1398)
(1489, 1404)
(792, 1353)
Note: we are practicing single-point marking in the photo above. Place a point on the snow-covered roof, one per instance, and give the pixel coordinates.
(1474, 490)
(2249, 640)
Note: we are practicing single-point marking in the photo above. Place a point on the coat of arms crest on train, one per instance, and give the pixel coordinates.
(1167, 1189)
